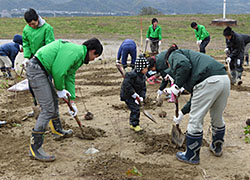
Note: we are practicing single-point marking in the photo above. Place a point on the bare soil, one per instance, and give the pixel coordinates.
(151, 152)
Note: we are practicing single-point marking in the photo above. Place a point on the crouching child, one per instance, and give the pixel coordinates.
(133, 89)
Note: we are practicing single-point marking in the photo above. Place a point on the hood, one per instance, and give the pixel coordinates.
(41, 21)
(18, 39)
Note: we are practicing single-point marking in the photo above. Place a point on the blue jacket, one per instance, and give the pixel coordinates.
(126, 42)
(10, 49)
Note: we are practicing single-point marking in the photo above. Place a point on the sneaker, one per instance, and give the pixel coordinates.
(136, 128)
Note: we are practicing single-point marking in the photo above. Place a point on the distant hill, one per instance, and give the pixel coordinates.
(130, 7)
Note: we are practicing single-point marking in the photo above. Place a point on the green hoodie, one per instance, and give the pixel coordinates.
(34, 39)
(154, 33)
(190, 68)
(61, 59)
(202, 33)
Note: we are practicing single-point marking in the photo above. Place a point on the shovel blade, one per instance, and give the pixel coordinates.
(177, 136)
(148, 115)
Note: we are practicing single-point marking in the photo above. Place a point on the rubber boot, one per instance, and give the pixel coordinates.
(9, 75)
(172, 99)
(233, 74)
(57, 130)
(151, 80)
(36, 151)
(217, 140)
(192, 153)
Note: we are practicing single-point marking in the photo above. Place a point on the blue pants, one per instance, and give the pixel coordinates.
(126, 51)
(135, 112)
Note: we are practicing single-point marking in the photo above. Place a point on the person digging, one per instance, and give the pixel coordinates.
(59, 59)
(133, 90)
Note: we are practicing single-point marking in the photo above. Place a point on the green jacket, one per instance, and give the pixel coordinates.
(61, 59)
(154, 33)
(190, 68)
(34, 39)
(202, 33)
(162, 68)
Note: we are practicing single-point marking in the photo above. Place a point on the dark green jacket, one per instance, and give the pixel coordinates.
(202, 33)
(162, 68)
(190, 68)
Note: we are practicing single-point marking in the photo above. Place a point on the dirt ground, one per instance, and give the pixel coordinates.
(122, 152)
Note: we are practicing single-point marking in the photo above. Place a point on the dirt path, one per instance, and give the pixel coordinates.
(121, 150)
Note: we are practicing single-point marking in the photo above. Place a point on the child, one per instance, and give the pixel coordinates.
(133, 89)
(8, 53)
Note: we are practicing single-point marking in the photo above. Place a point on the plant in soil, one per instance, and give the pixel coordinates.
(247, 134)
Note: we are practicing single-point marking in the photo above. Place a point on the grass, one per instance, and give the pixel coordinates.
(175, 28)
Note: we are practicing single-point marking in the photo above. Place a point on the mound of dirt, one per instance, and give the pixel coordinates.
(113, 167)
(89, 133)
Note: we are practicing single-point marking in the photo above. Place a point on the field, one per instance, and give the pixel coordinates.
(122, 151)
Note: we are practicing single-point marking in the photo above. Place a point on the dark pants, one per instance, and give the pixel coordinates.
(203, 44)
(236, 65)
(135, 112)
(126, 51)
(154, 45)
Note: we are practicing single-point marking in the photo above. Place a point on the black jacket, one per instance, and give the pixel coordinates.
(236, 46)
(133, 82)
(246, 38)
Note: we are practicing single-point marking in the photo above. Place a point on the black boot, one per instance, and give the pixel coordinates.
(58, 131)
(218, 140)
(36, 151)
(192, 153)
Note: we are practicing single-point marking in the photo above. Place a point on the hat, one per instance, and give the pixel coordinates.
(18, 39)
(228, 31)
(141, 63)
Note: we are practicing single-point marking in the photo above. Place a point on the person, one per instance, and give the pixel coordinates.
(128, 47)
(36, 34)
(59, 59)
(207, 81)
(235, 54)
(154, 36)
(202, 36)
(8, 53)
(246, 39)
(133, 89)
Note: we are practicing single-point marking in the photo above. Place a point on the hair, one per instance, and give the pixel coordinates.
(151, 62)
(154, 20)
(30, 15)
(193, 24)
(228, 31)
(172, 48)
(93, 44)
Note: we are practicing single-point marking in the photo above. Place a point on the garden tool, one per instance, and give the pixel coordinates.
(120, 69)
(177, 136)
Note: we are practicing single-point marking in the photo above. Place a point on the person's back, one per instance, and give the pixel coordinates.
(36, 33)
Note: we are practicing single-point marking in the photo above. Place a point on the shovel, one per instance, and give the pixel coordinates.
(72, 109)
(177, 136)
(120, 69)
(147, 114)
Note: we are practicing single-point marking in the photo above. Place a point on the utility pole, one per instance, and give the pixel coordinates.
(224, 10)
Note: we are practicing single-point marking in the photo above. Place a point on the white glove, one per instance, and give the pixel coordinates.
(141, 100)
(118, 61)
(159, 43)
(226, 50)
(135, 95)
(199, 42)
(168, 77)
(159, 92)
(63, 93)
(182, 89)
(228, 60)
(178, 119)
(73, 113)
(175, 89)
(24, 63)
(147, 39)
(167, 91)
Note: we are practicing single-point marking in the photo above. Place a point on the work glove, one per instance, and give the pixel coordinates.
(199, 42)
(141, 100)
(168, 77)
(173, 89)
(159, 92)
(228, 60)
(147, 39)
(118, 61)
(73, 113)
(226, 50)
(178, 119)
(159, 43)
(63, 94)
(24, 63)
